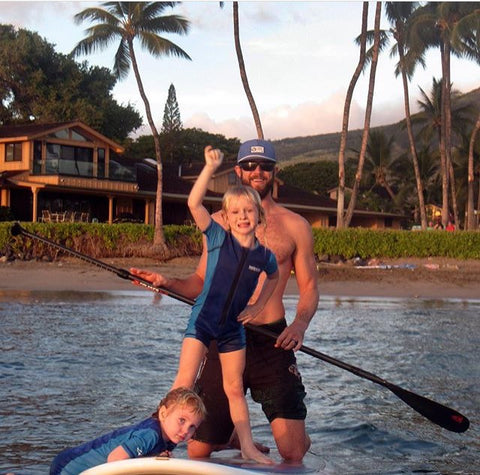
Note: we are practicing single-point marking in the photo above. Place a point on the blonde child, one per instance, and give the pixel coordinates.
(235, 261)
(177, 417)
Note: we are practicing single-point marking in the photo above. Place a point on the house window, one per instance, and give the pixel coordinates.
(101, 163)
(13, 152)
(67, 160)
(37, 157)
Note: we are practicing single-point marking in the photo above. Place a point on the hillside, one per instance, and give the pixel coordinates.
(325, 147)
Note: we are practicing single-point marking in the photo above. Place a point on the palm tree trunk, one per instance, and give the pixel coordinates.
(448, 132)
(443, 143)
(470, 224)
(368, 114)
(346, 114)
(243, 72)
(158, 237)
(411, 140)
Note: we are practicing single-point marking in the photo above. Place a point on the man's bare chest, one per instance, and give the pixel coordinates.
(274, 237)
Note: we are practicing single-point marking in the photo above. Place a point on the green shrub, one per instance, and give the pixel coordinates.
(135, 240)
(368, 243)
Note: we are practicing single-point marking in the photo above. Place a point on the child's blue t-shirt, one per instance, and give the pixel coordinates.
(214, 314)
(141, 439)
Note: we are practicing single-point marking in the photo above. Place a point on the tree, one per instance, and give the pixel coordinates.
(445, 25)
(406, 180)
(430, 118)
(346, 116)
(171, 114)
(470, 224)
(380, 162)
(127, 22)
(172, 125)
(317, 177)
(243, 72)
(38, 84)
(368, 113)
(190, 144)
(398, 14)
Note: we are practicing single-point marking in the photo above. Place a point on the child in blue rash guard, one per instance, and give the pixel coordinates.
(235, 261)
(178, 415)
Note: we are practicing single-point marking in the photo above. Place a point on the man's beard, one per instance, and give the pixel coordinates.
(264, 191)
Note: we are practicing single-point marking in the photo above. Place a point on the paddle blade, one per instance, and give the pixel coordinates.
(437, 413)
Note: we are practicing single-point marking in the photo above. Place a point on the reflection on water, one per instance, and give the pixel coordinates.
(74, 365)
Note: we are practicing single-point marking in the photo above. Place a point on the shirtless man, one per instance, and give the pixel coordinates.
(271, 372)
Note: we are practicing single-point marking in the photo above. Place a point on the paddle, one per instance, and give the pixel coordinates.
(437, 413)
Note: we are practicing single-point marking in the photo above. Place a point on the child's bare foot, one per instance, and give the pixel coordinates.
(253, 453)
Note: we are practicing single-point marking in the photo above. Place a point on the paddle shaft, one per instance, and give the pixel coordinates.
(434, 411)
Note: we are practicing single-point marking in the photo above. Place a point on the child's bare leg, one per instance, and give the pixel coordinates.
(191, 357)
(233, 364)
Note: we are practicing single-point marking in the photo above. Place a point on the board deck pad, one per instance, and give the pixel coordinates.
(232, 458)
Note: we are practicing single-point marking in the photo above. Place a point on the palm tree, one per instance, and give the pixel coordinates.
(243, 72)
(444, 25)
(380, 161)
(405, 179)
(398, 13)
(470, 224)
(430, 119)
(346, 115)
(368, 113)
(470, 46)
(128, 21)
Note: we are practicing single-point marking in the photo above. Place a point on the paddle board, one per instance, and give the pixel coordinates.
(224, 463)
(164, 466)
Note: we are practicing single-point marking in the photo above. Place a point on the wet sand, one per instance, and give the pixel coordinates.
(406, 278)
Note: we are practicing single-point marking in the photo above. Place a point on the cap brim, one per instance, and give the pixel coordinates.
(256, 157)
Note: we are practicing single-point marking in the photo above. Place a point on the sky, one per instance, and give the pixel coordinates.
(299, 56)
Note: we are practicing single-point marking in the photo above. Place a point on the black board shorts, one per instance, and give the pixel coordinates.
(272, 376)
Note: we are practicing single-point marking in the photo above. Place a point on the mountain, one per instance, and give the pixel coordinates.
(326, 146)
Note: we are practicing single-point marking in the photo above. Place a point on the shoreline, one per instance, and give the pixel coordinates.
(432, 278)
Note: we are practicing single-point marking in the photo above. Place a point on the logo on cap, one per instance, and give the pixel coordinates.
(257, 149)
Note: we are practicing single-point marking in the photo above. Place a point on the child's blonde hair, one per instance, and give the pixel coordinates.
(185, 398)
(249, 193)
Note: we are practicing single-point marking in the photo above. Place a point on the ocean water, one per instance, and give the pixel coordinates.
(74, 365)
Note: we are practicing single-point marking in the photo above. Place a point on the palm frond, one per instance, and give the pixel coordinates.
(121, 66)
(158, 46)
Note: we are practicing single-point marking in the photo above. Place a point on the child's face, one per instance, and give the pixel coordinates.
(179, 423)
(242, 215)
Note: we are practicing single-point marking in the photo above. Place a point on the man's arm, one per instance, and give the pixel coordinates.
(307, 281)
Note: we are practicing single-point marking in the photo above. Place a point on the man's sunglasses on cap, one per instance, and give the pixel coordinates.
(251, 166)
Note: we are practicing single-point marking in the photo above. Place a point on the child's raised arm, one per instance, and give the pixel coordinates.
(213, 159)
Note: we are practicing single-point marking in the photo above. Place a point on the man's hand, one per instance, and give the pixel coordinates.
(292, 337)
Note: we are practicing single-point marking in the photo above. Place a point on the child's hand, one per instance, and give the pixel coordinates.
(248, 314)
(213, 157)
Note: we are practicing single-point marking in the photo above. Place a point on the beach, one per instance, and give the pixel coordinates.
(431, 278)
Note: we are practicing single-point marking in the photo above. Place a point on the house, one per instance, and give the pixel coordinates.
(70, 172)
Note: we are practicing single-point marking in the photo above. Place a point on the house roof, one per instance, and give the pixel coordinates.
(35, 130)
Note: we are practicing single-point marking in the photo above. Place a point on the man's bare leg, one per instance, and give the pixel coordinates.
(291, 439)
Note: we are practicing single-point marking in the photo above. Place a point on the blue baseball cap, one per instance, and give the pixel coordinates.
(256, 149)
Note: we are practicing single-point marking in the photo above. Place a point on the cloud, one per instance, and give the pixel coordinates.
(308, 118)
